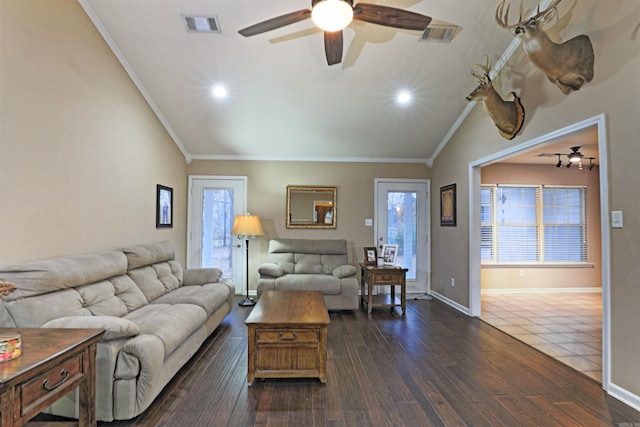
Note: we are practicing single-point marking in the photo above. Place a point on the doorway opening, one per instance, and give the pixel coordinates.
(478, 279)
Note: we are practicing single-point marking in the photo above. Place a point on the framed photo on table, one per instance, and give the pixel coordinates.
(448, 205)
(370, 255)
(164, 207)
(390, 253)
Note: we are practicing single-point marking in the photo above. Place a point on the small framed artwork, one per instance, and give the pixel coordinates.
(370, 255)
(448, 205)
(164, 207)
(389, 253)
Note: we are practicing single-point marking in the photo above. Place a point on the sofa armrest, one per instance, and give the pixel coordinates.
(270, 269)
(201, 276)
(344, 271)
(115, 327)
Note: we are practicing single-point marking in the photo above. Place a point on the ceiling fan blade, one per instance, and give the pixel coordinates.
(277, 22)
(390, 16)
(333, 47)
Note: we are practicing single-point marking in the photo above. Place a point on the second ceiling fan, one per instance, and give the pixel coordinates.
(334, 15)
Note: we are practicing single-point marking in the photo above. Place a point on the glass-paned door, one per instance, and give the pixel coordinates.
(402, 218)
(214, 203)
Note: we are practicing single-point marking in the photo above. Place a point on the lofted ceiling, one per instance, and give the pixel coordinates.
(284, 102)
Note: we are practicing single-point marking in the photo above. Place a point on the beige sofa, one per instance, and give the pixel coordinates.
(156, 315)
(317, 265)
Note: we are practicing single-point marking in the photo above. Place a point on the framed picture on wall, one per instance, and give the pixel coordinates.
(164, 207)
(448, 205)
(389, 253)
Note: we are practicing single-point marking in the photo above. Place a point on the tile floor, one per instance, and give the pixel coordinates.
(567, 326)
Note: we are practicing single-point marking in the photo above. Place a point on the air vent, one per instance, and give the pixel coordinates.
(202, 24)
(438, 33)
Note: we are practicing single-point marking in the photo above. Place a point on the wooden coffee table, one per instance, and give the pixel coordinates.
(288, 336)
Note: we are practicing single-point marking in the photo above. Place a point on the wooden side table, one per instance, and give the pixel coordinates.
(372, 275)
(53, 362)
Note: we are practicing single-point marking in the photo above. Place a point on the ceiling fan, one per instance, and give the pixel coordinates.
(334, 15)
(575, 158)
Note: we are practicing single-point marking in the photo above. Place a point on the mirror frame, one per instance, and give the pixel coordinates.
(307, 188)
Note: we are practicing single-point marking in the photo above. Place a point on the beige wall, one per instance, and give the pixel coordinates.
(614, 92)
(80, 150)
(522, 277)
(267, 187)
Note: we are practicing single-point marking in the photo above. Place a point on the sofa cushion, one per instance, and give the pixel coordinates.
(306, 256)
(149, 253)
(147, 280)
(271, 269)
(345, 271)
(100, 299)
(308, 246)
(41, 277)
(285, 260)
(114, 327)
(308, 264)
(33, 312)
(209, 297)
(171, 323)
(128, 292)
(165, 275)
(331, 262)
(201, 276)
(329, 285)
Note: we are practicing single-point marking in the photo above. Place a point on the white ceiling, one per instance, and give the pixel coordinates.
(284, 101)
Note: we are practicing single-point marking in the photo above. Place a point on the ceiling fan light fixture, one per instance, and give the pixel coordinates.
(332, 15)
(575, 157)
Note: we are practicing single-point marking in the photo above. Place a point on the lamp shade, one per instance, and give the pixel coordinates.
(247, 225)
(332, 15)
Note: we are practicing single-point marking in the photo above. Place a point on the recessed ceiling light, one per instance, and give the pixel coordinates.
(219, 91)
(403, 97)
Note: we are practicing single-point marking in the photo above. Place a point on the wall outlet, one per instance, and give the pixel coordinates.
(453, 282)
(521, 273)
(368, 222)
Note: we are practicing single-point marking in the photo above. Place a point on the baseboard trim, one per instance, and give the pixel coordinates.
(542, 291)
(451, 303)
(625, 396)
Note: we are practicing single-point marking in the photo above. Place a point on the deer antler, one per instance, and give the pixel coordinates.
(486, 68)
(504, 22)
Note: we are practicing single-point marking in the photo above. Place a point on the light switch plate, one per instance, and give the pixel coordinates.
(368, 222)
(616, 219)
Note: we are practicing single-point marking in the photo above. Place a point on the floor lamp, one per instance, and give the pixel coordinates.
(247, 227)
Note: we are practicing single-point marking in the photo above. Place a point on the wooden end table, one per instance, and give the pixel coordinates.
(371, 275)
(288, 336)
(53, 362)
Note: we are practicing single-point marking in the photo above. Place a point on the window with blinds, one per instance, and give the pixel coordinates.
(532, 224)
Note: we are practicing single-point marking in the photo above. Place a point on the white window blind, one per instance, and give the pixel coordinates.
(532, 224)
(487, 245)
(564, 218)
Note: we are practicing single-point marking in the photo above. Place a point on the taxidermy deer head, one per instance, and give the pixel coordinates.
(508, 116)
(568, 65)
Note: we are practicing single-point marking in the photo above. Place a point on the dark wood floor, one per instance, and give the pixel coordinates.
(434, 367)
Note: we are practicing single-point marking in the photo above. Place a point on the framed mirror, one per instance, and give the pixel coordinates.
(311, 207)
